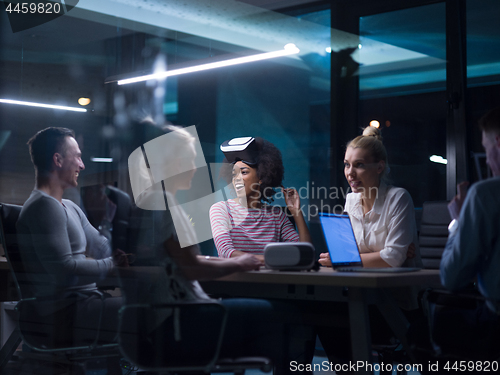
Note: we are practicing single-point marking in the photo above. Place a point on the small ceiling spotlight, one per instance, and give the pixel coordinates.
(84, 101)
(375, 123)
(328, 49)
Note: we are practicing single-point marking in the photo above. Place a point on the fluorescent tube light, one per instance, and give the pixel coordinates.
(32, 104)
(438, 159)
(290, 49)
(102, 160)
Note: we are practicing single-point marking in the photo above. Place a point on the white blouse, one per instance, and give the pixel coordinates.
(389, 227)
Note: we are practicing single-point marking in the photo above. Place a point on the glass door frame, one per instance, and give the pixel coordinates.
(345, 92)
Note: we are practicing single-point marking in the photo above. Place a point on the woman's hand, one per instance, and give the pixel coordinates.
(261, 259)
(292, 200)
(238, 253)
(247, 262)
(324, 260)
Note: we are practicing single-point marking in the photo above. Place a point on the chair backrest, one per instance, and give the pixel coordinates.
(149, 327)
(136, 282)
(120, 234)
(433, 232)
(42, 332)
(9, 214)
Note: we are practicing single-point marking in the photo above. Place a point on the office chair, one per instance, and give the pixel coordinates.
(433, 232)
(458, 349)
(177, 345)
(391, 351)
(433, 238)
(120, 233)
(8, 219)
(50, 341)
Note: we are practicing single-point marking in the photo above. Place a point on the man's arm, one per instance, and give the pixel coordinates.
(455, 206)
(197, 268)
(47, 224)
(462, 254)
(98, 246)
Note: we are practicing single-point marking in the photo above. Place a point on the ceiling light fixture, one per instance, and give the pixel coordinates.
(289, 49)
(375, 123)
(32, 104)
(438, 159)
(101, 160)
(84, 101)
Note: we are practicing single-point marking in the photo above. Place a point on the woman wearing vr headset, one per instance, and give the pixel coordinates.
(246, 223)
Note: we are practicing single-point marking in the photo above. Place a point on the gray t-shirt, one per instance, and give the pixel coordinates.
(55, 242)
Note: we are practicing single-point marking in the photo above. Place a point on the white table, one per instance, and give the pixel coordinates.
(355, 288)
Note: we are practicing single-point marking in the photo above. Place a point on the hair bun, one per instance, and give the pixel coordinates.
(371, 131)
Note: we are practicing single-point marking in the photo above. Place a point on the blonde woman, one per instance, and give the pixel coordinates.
(382, 215)
(383, 220)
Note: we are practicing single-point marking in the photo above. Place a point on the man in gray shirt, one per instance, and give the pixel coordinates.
(62, 253)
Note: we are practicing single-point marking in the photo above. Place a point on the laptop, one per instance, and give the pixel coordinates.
(342, 246)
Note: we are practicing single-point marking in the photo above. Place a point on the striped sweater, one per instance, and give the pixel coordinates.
(247, 229)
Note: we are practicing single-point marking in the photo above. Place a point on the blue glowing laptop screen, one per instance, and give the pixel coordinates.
(340, 239)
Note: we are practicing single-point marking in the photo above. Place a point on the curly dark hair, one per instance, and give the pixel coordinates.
(270, 169)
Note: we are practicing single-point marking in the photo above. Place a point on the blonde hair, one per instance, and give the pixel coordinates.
(371, 140)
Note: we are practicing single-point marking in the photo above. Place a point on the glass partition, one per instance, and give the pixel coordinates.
(483, 74)
(402, 84)
(83, 53)
(483, 52)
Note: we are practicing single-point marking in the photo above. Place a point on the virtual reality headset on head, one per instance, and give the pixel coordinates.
(242, 149)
